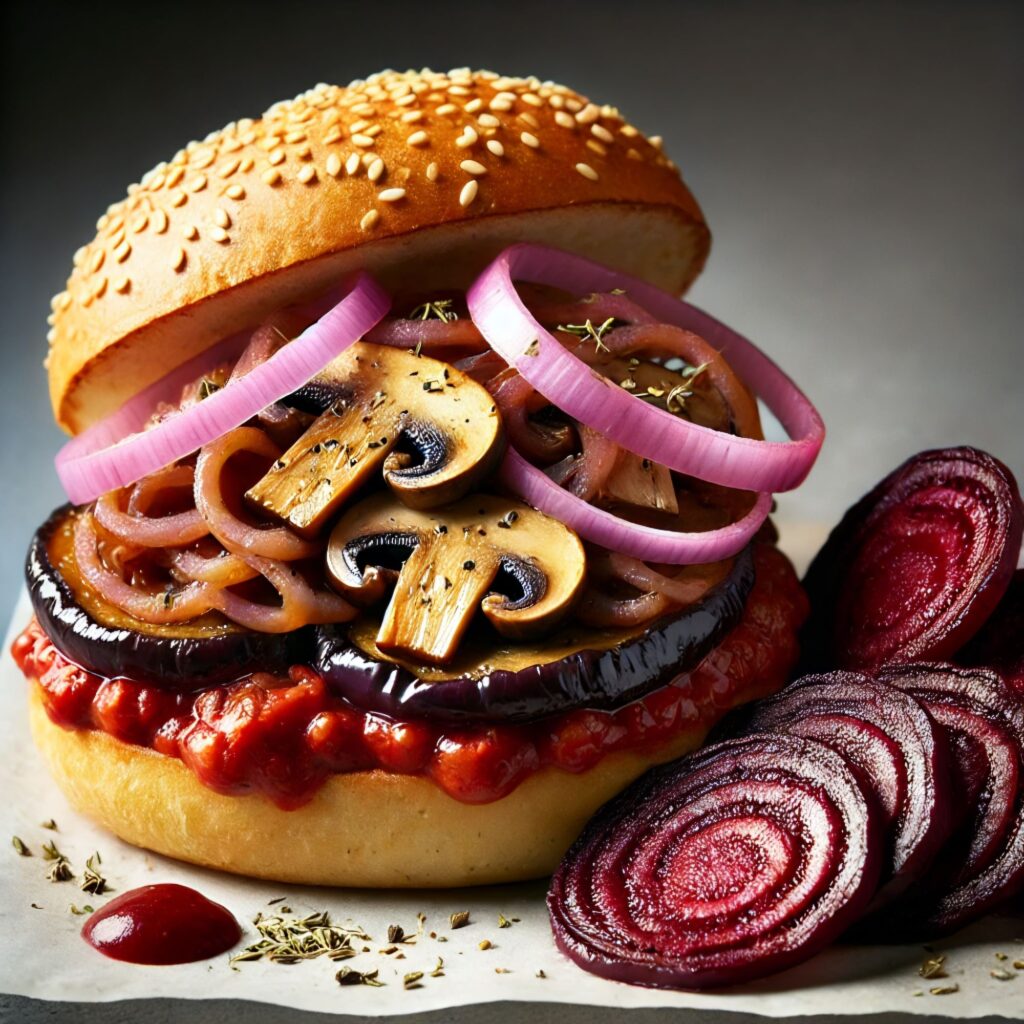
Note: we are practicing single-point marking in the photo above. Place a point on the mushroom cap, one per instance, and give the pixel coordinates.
(416, 176)
(453, 560)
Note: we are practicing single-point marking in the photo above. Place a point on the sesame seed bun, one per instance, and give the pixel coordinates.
(419, 177)
(372, 829)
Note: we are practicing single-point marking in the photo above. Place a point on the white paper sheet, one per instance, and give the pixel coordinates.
(43, 955)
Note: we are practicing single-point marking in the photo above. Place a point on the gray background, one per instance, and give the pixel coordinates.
(860, 166)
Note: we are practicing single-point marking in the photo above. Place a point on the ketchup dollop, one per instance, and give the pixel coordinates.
(162, 924)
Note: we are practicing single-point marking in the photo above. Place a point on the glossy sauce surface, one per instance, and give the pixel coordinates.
(161, 924)
(284, 736)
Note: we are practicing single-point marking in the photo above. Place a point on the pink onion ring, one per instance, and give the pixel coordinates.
(740, 462)
(109, 455)
(135, 527)
(236, 535)
(600, 527)
(160, 608)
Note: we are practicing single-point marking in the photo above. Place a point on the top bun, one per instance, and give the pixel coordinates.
(416, 171)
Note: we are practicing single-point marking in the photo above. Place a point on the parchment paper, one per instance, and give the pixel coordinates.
(43, 955)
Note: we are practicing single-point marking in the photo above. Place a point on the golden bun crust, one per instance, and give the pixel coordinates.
(435, 172)
(366, 829)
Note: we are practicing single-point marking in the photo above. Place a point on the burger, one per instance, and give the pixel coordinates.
(412, 515)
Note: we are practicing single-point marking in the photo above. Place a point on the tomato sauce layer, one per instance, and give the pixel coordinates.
(284, 736)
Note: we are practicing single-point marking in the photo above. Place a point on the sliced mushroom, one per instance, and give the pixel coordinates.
(523, 568)
(374, 398)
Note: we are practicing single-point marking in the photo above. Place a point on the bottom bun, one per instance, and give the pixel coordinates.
(366, 829)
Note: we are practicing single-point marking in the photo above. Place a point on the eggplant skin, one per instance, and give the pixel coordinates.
(595, 679)
(116, 651)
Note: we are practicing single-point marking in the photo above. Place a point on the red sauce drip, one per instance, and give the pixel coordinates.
(162, 924)
(284, 737)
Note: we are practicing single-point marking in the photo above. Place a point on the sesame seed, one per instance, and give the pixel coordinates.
(528, 118)
(412, 116)
(458, 90)
(122, 284)
(375, 170)
(446, 108)
(234, 192)
(532, 98)
(203, 159)
(221, 218)
(122, 252)
(51, 337)
(468, 137)
(247, 165)
(391, 195)
(633, 154)
(363, 141)
(334, 135)
(417, 138)
(190, 233)
(97, 260)
(590, 113)
(557, 101)
(100, 289)
(432, 171)
(587, 171)
(473, 167)
(474, 105)
(174, 176)
(656, 141)
(404, 101)
(304, 152)
(573, 104)
(178, 261)
(307, 175)
(333, 165)
(495, 147)
(294, 137)
(218, 234)
(468, 193)
(602, 133)
(226, 170)
(140, 223)
(597, 147)
(529, 140)
(272, 176)
(506, 96)
(629, 131)
(369, 220)
(352, 164)
(489, 121)
(502, 105)
(197, 184)
(564, 120)
(277, 157)
(373, 131)
(160, 221)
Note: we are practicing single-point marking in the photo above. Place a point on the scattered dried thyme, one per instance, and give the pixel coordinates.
(287, 940)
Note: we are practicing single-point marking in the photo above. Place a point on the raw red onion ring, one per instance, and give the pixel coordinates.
(117, 451)
(740, 462)
(594, 524)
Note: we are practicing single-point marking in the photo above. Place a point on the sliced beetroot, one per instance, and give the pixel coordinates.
(983, 863)
(738, 861)
(1000, 642)
(892, 745)
(916, 566)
